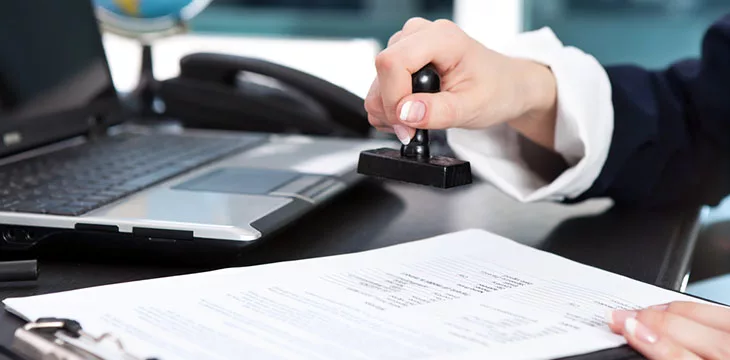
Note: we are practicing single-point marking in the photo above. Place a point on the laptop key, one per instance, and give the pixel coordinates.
(98, 199)
(28, 206)
(68, 211)
(9, 205)
(78, 179)
(111, 193)
(53, 203)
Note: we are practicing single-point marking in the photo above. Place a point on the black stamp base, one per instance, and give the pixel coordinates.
(436, 171)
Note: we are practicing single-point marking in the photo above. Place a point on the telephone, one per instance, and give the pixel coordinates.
(241, 93)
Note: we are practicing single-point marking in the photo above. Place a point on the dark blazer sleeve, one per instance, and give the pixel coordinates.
(671, 140)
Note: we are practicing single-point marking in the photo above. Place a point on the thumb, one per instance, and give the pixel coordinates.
(430, 111)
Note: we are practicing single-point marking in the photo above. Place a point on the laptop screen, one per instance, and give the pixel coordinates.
(53, 72)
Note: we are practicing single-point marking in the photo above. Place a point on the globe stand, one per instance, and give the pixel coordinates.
(144, 95)
(146, 90)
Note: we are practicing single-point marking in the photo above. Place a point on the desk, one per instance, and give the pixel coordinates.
(651, 247)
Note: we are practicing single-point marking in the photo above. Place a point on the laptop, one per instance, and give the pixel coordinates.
(71, 160)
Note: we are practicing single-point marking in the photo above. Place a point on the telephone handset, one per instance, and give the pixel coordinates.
(242, 93)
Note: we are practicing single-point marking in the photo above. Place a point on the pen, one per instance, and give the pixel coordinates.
(23, 270)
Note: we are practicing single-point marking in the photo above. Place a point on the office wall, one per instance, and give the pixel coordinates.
(651, 33)
(317, 18)
(648, 32)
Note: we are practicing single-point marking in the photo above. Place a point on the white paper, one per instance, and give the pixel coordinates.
(466, 295)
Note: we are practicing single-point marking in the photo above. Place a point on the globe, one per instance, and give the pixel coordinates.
(146, 21)
(143, 19)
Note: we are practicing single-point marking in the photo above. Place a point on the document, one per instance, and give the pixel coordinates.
(465, 295)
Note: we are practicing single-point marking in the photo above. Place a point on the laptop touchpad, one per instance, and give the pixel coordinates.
(240, 181)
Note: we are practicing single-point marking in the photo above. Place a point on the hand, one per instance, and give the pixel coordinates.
(479, 87)
(679, 330)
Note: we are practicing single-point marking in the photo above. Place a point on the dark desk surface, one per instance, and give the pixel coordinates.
(651, 247)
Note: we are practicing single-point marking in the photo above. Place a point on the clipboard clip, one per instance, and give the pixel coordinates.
(64, 339)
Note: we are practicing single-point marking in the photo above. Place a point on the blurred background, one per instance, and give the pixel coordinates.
(338, 39)
(649, 32)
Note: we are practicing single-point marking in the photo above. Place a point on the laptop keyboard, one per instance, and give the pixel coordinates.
(76, 180)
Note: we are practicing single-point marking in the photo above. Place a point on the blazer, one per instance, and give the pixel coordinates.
(671, 136)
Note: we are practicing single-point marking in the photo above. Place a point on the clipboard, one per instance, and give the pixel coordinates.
(65, 339)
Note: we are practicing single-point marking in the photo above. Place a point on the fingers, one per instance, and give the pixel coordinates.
(409, 50)
(440, 43)
(676, 330)
(431, 111)
(411, 26)
(395, 38)
(705, 341)
(653, 346)
(714, 316)
(421, 42)
(374, 104)
(376, 116)
(378, 125)
(418, 111)
(414, 25)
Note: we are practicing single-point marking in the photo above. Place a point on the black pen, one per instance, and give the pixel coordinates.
(23, 270)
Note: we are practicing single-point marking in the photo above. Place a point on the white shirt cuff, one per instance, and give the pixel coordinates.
(583, 130)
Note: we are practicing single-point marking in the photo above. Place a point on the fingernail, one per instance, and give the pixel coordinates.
(412, 111)
(402, 133)
(620, 316)
(661, 307)
(609, 317)
(636, 329)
